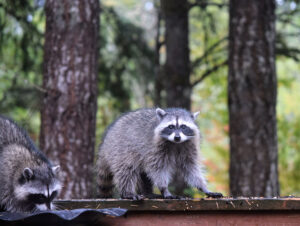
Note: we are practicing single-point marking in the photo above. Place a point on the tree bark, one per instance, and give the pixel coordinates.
(177, 68)
(252, 99)
(70, 102)
(158, 85)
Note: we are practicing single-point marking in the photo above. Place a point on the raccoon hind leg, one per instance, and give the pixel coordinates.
(105, 181)
(127, 180)
(105, 186)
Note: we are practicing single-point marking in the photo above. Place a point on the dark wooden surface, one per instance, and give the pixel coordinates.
(155, 205)
(205, 219)
(206, 212)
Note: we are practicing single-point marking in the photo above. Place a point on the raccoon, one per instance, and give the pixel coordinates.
(150, 147)
(28, 181)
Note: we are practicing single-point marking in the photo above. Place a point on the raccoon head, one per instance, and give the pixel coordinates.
(176, 125)
(37, 187)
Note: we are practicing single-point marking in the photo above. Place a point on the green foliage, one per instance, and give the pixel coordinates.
(288, 117)
(289, 158)
(125, 60)
(287, 29)
(21, 61)
(208, 42)
(125, 68)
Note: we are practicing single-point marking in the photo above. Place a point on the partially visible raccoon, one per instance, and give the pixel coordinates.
(28, 181)
(150, 147)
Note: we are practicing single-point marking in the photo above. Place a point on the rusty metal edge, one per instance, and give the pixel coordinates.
(225, 204)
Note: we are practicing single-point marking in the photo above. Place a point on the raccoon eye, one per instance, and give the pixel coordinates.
(171, 127)
(183, 126)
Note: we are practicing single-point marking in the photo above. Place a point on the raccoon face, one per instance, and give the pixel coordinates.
(37, 188)
(176, 125)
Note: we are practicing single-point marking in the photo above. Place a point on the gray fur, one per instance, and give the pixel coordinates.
(136, 154)
(25, 172)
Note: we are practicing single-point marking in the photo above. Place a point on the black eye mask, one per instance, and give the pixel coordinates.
(187, 131)
(168, 131)
(41, 198)
(183, 128)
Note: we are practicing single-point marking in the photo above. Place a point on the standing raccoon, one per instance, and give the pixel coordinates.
(28, 181)
(150, 147)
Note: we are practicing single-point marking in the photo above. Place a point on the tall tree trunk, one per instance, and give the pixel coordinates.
(177, 67)
(252, 99)
(70, 102)
(157, 70)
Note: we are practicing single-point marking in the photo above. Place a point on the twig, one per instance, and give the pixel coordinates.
(208, 51)
(204, 4)
(208, 72)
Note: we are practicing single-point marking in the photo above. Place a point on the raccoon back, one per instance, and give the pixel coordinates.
(11, 133)
(133, 131)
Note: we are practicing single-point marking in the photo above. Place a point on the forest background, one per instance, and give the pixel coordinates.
(131, 52)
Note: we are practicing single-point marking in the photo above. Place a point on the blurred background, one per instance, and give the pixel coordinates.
(132, 53)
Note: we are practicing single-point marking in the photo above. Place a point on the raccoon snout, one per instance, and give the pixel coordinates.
(177, 138)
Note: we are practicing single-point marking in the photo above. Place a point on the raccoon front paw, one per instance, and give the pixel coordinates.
(172, 197)
(153, 196)
(133, 197)
(214, 195)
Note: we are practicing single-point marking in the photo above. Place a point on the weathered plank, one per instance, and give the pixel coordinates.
(225, 204)
(208, 212)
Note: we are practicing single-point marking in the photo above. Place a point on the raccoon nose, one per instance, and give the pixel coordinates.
(177, 138)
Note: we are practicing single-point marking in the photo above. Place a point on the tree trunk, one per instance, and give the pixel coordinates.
(177, 67)
(70, 102)
(158, 85)
(252, 99)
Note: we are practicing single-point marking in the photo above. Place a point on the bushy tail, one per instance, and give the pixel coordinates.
(105, 180)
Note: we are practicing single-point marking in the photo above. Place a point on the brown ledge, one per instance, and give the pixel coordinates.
(191, 205)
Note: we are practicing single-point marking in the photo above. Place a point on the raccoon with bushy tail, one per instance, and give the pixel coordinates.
(149, 147)
(28, 180)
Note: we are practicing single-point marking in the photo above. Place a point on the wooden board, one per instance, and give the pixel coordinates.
(224, 204)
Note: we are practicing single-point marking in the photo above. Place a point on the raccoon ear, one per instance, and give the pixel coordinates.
(55, 169)
(160, 113)
(27, 173)
(195, 115)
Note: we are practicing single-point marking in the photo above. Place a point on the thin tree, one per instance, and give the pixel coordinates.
(70, 101)
(176, 75)
(252, 99)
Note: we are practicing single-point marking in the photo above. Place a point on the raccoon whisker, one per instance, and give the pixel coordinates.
(35, 210)
(57, 207)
